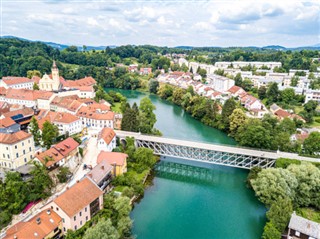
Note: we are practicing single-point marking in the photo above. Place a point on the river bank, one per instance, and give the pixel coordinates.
(177, 206)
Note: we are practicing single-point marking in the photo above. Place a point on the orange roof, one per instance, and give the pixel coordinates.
(14, 137)
(234, 89)
(6, 122)
(41, 94)
(282, 113)
(57, 152)
(87, 112)
(25, 112)
(20, 94)
(49, 220)
(107, 134)
(87, 81)
(78, 196)
(12, 80)
(65, 118)
(112, 158)
(88, 88)
(3, 91)
(52, 117)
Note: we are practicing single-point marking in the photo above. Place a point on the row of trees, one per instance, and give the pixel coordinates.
(16, 193)
(285, 189)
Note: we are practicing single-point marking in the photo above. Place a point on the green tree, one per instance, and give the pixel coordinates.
(238, 80)
(311, 145)
(35, 86)
(144, 157)
(177, 96)
(308, 190)
(63, 174)
(146, 115)
(236, 119)
(229, 106)
(153, 86)
(273, 93)
(273, 184)
(165, 91)
(102, 230)
(262, 92)
(33, 73)
(294, 81)
(280, 213)
(49, 134)
(271, 232)
(34, 130)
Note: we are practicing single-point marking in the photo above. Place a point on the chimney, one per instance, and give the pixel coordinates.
(67, 188)
(38, 220)
(102, 167)
(78, 181)
(48, 212)
(15, 237)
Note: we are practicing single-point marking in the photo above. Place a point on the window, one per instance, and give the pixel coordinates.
(80, 223)
(25, 160)
(86, 218)
(4, 156)
(80, 214)
(297, 233)
(8, 156)
(85, 209)
(24, 152)
(74, 218)
(22, 143)
(64, 229)
(15, 146)
(63, 220)
(57, 208)
(75, 227)
(30, 149)
(17, 155)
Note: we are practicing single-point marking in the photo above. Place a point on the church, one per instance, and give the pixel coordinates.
(51, 82)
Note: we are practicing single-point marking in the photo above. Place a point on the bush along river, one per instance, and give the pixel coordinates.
(197, 200)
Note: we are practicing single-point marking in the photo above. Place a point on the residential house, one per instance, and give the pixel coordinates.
(22, 116)
(65, 152)
(312, 95)
(101, 174)
(46, 225)
(236, 91)
(16, 149)
(78, 204)
(117, 160)
(220, 83)
(86, 91)
(145, 71)
(300, 227)
(251, 103)
(106, 139)
(299, 137)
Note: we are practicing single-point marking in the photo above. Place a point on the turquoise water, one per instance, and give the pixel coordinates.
(178, 206)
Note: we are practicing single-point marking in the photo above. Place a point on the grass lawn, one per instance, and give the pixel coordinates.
(116, 107)
(309, 213)
(73, 67)
(298, 109)
(315, 123)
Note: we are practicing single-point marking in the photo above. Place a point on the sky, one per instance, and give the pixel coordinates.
(164, 23)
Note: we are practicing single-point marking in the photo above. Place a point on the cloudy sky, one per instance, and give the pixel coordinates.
(165, 23)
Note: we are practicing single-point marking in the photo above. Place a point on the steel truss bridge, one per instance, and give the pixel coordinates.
(210, 153)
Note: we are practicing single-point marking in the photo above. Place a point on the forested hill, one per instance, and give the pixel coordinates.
(18, 56)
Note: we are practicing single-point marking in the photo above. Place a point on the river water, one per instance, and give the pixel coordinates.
(215, 204)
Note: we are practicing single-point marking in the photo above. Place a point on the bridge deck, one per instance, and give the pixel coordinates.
(216, 147)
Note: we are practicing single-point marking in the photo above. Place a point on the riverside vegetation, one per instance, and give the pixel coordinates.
(292, 185)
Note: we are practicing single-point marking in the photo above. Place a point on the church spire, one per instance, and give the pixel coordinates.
(54, 66)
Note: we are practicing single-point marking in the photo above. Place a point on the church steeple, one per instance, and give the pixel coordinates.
(55, 76)
(54, 66)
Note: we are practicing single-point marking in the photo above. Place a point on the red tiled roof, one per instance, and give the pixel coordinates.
(107, 134)
(14, 137)
(282, 113)
(33, 229)
(78, 196)
(13, 80)
(3, 91)
(6, 122)
(25, 112)
(87, 112)
(112, 158)
(234, 89)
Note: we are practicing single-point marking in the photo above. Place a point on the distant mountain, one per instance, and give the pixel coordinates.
(274, 47)
(61, 46)
(184, 47)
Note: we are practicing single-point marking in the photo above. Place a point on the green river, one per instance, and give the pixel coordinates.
(216, 204)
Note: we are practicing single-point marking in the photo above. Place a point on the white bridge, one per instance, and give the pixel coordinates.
(232, 156)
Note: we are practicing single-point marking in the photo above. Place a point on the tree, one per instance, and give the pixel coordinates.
(273, 93)
(177, 96)
(34, 130)
(144, 157)
(35, 86)
(63, 174)
(280, 213)
(271, 232)
(49, 134)
(153, 86)
(165, 91)
(130, 121)
(273, 184)
(294, 81)
(146, 115)
(238, 80)
(236, 119)
(262, 92)
(311, 145)
(308, 190)
(287, 125)
(103, 229)
(229, 106)
(33, 73)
